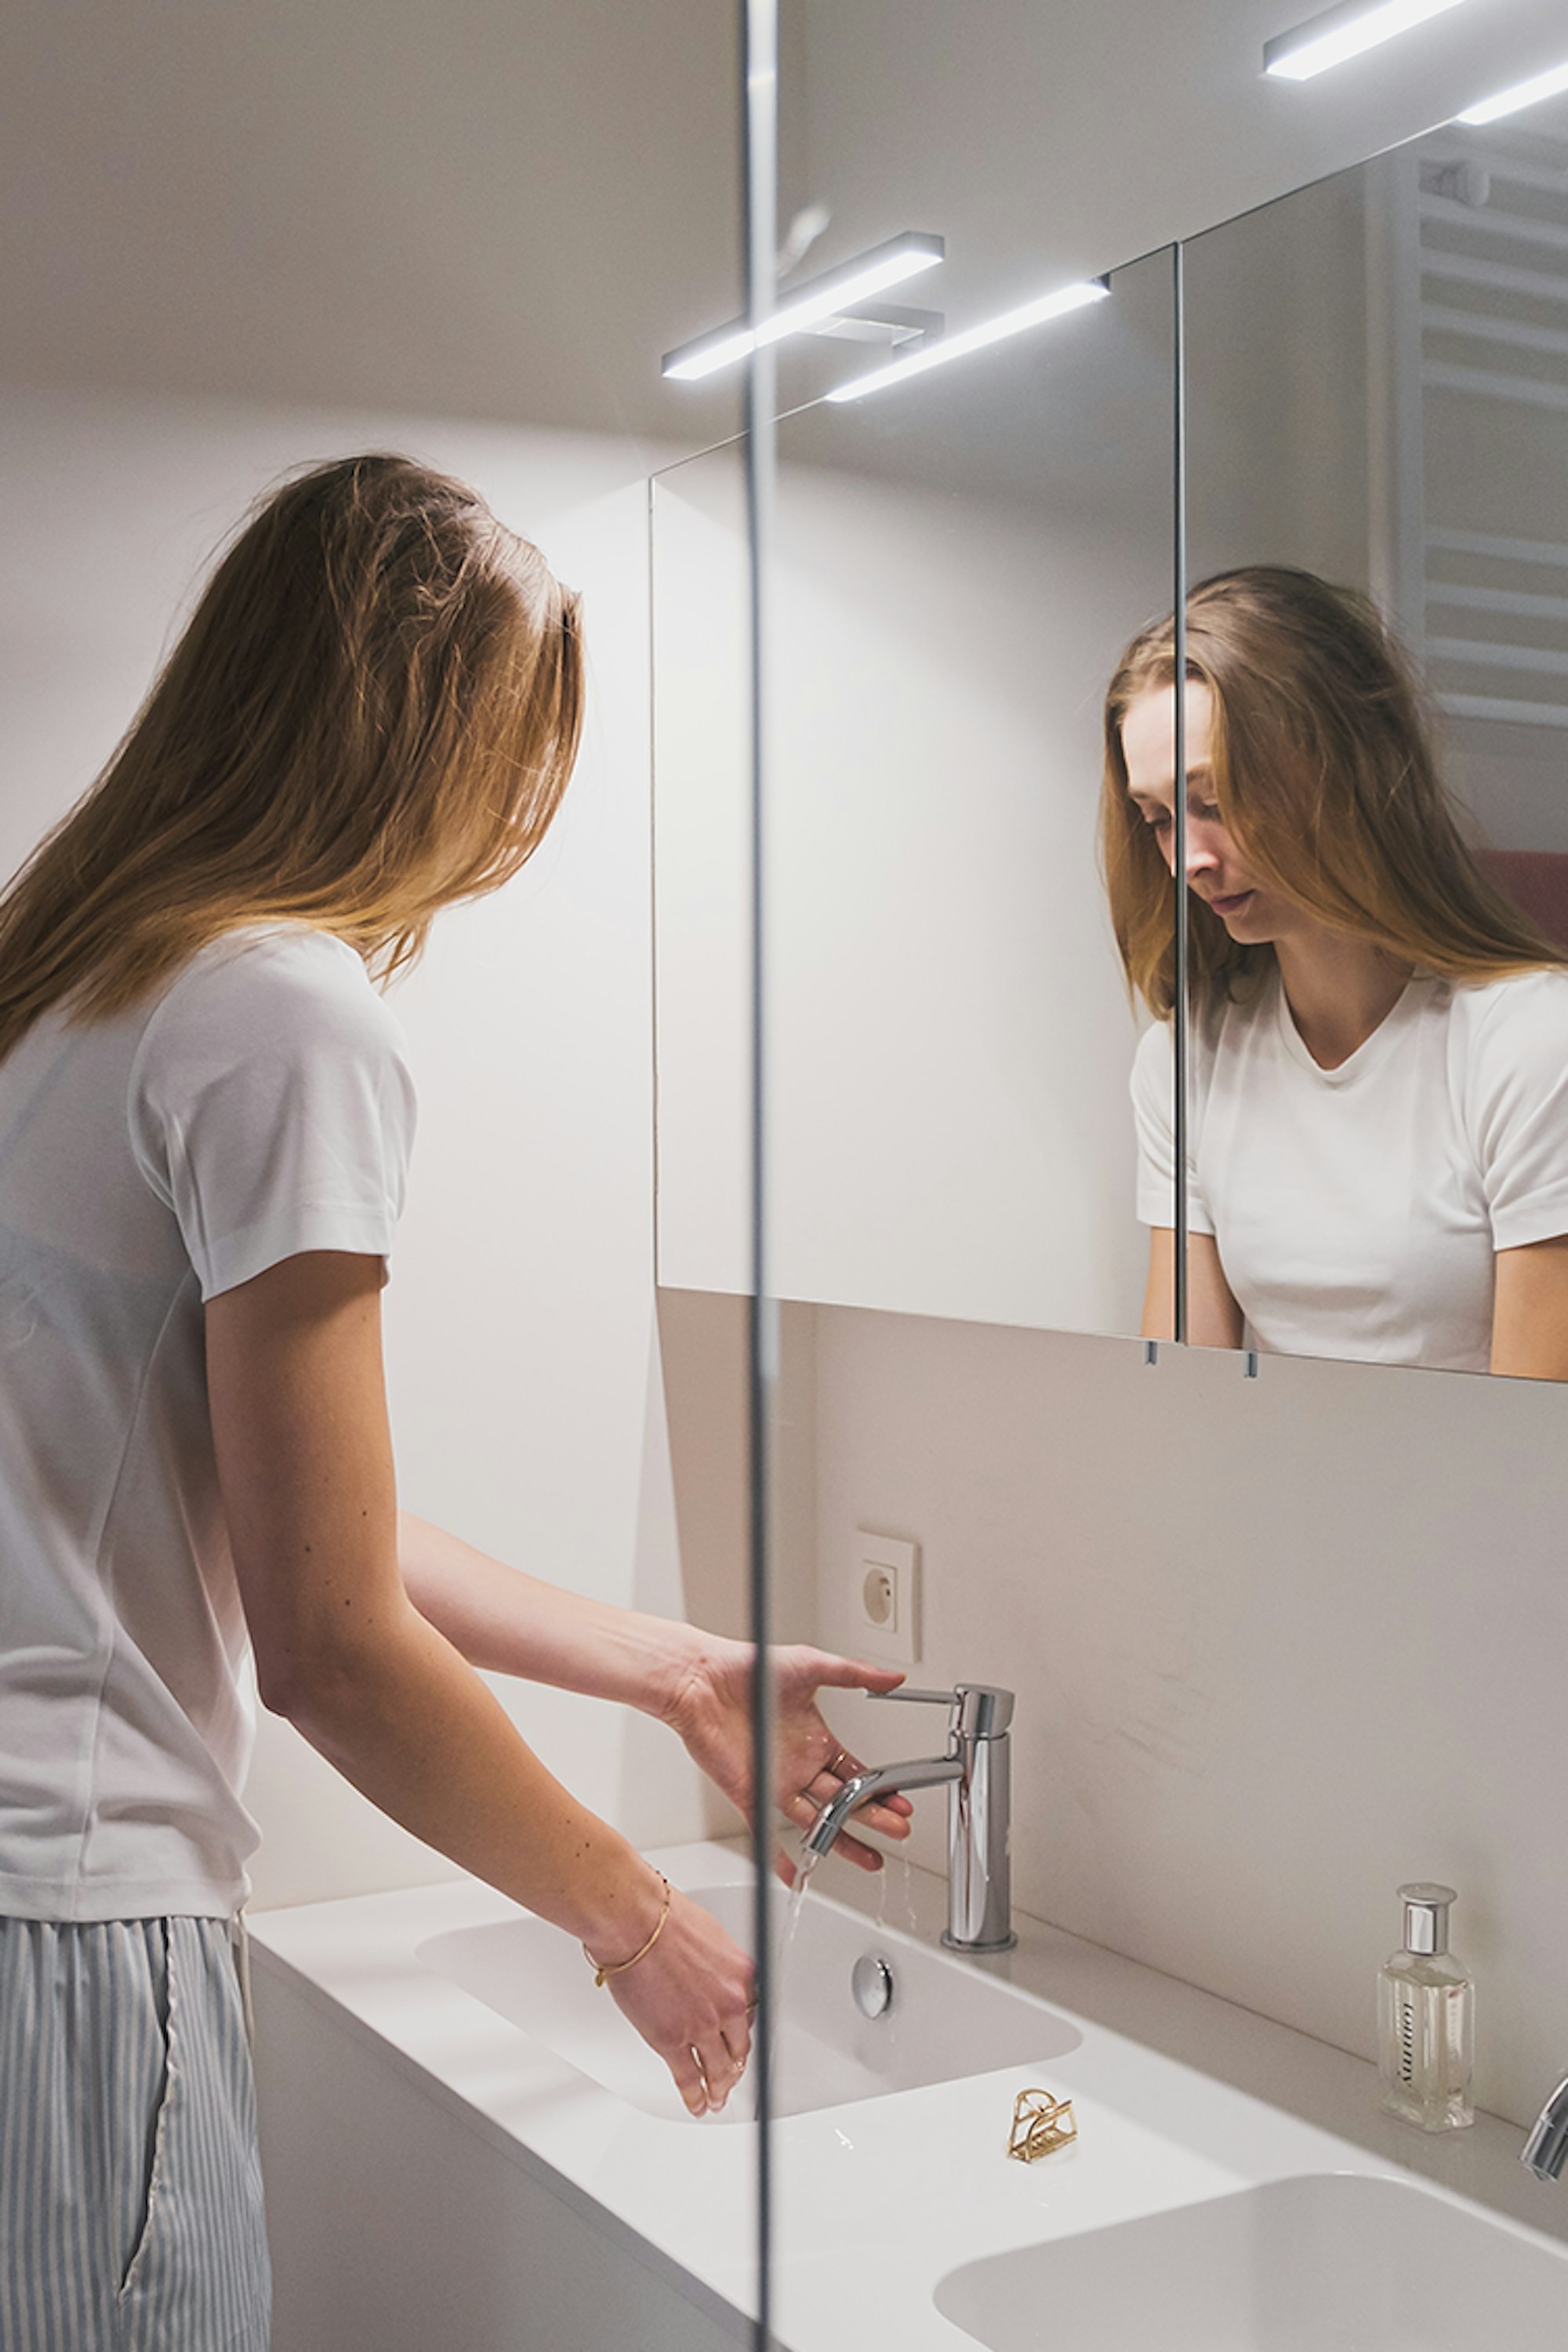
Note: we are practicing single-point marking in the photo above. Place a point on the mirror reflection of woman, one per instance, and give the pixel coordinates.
(1377, 1146)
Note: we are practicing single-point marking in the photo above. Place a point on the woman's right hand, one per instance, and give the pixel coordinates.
(691, 1999)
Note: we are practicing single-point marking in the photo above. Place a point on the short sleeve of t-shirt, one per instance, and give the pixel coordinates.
(1516, 1088)
(1154, 1113)
(270, 1106)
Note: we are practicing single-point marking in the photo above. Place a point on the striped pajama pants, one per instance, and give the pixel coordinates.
(129, 2184)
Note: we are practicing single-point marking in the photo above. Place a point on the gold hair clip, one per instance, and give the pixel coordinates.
(1040, 2126)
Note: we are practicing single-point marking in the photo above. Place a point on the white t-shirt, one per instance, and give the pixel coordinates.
(259, 1106)
(1357, 1210)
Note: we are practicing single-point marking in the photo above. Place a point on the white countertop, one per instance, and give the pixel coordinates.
(1178, 2096)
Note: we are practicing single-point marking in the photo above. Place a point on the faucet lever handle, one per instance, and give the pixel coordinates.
(981, 1710)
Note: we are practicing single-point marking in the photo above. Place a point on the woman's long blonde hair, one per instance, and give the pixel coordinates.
(1324, 774)
(373, 712)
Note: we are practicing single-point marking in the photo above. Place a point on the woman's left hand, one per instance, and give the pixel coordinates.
(712, 1713)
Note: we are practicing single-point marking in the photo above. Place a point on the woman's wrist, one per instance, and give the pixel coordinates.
(681, 1667)
(605, 1968)
(614, 1912)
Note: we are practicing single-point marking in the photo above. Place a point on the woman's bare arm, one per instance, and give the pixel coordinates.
(304, 1458)
(1213, 1318)
(1529, 1311)
(699, 1684)
(512, 1623)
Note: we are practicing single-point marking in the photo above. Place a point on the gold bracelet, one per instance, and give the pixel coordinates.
(604, 1969)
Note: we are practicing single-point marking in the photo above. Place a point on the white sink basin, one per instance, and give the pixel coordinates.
(1327, 2263)
(948, 2020)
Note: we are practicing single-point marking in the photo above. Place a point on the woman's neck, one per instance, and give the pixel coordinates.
(1338, 988)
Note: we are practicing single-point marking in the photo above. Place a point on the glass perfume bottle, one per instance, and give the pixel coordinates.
(1425, 2020)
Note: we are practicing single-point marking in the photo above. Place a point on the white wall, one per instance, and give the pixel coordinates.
(527, 1395)
(489, 208)
(1279, 1644)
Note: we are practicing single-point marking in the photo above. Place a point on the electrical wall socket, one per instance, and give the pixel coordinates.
(884, 1597)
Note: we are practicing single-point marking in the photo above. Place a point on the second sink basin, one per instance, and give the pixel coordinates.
(1326, 2262)
(947, 2019)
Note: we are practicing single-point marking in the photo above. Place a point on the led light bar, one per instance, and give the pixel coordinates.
(1523, 93)
(974, 339)
(1344, 32)
(805, 307)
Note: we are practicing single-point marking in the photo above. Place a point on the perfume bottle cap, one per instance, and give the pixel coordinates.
(1427, 1916)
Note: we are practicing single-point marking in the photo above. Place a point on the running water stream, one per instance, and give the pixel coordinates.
(805, 1863)
(895, 1890)
(805, 1860)
(897, 1872)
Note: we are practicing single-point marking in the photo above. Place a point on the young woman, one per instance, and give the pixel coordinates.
(1378, 1091)
(205, 1117)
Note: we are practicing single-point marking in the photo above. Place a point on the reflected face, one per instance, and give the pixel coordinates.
(1217, 871)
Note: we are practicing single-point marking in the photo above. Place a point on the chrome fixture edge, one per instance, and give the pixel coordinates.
(1341, 33)
(805, 307)
(1545, 2150)
(1513, 100)
(941, 351)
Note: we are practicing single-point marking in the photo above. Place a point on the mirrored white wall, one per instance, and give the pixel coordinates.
(958, 562)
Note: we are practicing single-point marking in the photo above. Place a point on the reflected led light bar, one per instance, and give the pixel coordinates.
(1523, 93)
(974, 339)
(836, 290)
(1339, 33)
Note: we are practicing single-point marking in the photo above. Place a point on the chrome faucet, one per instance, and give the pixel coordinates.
(1545, 2151)
(976, 1769)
